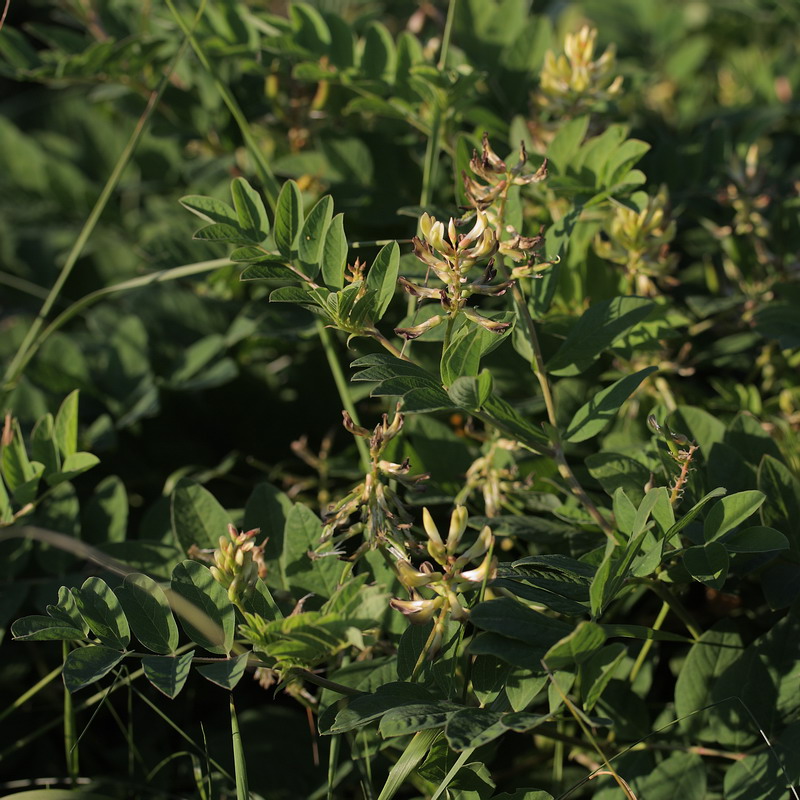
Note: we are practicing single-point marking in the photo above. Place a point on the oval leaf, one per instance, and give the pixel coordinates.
(250, 211)
(382, 277)
(312, 237)
(197, 518)
(38, 628)
(168, 673)
(707, 564)
(103, 613)
(757, 539)
(148, 613)
(89, 664)
(225, 673)
(334, 253)
(593, 416)
(288, 218)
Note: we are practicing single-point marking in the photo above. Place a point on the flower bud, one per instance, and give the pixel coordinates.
(457, 611)
(485, 572)
(483, 543)
(411, 578)
(418, 612)
(458, 524)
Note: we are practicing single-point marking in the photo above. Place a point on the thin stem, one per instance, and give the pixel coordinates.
(341, 385)
(588, 734)
(32, 692)
(270, 184)
(642, 657)
(447, 35)
(326, 683)
(70, 737)
(575, 487)
(26, 349)
(387, 345)
(664, 593)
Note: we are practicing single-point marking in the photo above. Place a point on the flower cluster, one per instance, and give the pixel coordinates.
(380, 515)
(639, 241)
(574, 82)
(451, 579)
(238, 563)
(451, 255)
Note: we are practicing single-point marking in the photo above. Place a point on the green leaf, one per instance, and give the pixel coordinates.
(314, 235)
(209, 620)
(469, 344)
(66, 425)
(105, 516)
(707, 564)
(18, 470)
(471, 393)
(220, 232)
(209, 209)
(342, 49)
(415, 717)
(508, 618)
(73, 465)
(267, 509)
(598, 671)
(66, 611)
(731, 511)
(89, 664)
(473, 727)
(506, 418)
(38, 628)
(225, 673)
(593, 416)
(779, 321)
(717, 649)
(362, 710)
(595, 331)
(168, 673)
(304, 574)
(577, 647)
(148, 613)
(334, 253)
(757, 539)
(523, 686)
(267, 269)
(196, 516)
(566, 143)
(382, 277)
(312, 32)
(692, 513)
(250, 211)
(783, 490)
(681, 776)
(379, 58)
(103, 613)
(288, 218)
(43, 445)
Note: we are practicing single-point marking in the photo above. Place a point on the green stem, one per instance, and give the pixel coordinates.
(341, 385)
(642, 657)
(32, 692)
(269, 183)
(26, 349)
(239, 762)
(666, 596)
(70, 737)
(447, 35)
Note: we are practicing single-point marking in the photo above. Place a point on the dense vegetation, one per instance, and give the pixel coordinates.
(542, 264)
